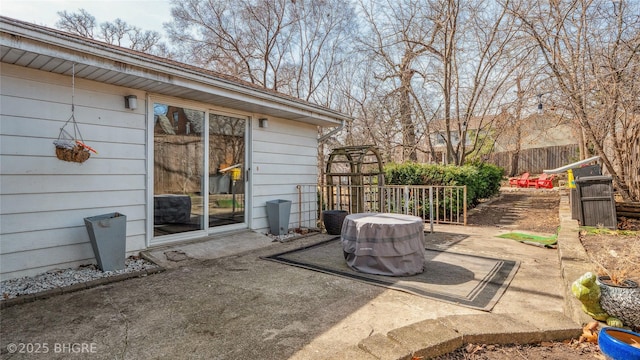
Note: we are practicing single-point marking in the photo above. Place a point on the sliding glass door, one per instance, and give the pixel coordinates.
(226, 169)
(198, 170)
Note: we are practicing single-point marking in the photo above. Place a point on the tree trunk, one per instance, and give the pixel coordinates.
(408, 127)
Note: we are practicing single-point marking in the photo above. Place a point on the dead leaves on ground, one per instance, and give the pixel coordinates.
(590, 333)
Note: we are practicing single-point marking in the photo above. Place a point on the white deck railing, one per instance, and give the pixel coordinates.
(434, 204)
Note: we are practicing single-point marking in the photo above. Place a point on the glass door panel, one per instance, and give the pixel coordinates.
(226, 170)
(178, 164)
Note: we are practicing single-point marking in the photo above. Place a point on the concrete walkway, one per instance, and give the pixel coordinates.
(239, 306)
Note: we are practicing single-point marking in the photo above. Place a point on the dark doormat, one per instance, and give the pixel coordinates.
(467, 280)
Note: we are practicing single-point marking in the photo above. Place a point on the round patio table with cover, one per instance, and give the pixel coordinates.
(383, 243)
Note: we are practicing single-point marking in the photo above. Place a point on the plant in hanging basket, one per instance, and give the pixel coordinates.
(69, 151)
(68, 147)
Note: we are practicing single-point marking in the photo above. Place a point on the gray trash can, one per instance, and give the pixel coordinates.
(108, 234)
(278, 212)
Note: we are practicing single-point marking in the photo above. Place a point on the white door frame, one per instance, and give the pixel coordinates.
(191, 235)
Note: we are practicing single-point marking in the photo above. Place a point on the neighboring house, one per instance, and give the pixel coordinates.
(545, 142)
(439, 143)
(190, 160)
(536, 131)
(438, 136)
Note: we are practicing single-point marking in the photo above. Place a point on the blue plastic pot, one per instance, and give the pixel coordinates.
(615, 344)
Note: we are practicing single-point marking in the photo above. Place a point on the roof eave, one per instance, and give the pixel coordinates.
(39, 39)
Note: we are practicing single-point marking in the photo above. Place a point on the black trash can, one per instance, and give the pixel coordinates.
(591, 170)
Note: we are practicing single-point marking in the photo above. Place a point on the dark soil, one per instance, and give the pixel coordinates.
(614, 254)
(546, 350)
(538, 212)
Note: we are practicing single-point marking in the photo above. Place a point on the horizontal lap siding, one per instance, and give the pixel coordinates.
(284, 156)
(44, 199)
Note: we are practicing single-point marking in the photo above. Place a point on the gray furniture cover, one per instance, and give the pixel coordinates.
(171, 209)
(384, 244)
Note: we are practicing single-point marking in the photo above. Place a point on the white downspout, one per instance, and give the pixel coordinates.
(326, 136)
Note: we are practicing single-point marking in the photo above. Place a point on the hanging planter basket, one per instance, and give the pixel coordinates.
(72, 147)
(72, 153)
(68, 149)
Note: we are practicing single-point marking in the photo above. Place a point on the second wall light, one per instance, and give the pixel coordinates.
(131, 102)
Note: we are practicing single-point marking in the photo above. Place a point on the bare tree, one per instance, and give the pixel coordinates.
(114, 32)
(324, 30)
(399, 34)
(147, 41)
(117, 32)
(474, 56)
(591, 50)
(446, 64)
(81, 23)
(530, 85)
(289, 46)
(446, 15)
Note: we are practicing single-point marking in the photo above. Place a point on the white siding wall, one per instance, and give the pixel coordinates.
(284, 156)
(44, 200)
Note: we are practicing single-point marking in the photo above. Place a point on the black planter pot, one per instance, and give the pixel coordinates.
(333, 220)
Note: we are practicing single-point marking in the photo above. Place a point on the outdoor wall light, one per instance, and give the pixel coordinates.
(263, 123)
(131, 102)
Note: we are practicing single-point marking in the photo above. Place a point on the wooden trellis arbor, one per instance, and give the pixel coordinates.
(355, 178)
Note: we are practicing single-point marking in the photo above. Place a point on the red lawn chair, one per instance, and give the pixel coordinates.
(545, 181)
(522, 181)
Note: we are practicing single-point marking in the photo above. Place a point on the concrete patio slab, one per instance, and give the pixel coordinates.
(224, 302)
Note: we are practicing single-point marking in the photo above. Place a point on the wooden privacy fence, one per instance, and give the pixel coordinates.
(537, 159)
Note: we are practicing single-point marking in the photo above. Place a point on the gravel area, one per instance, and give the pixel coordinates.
(293, 234)
(66, 277)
